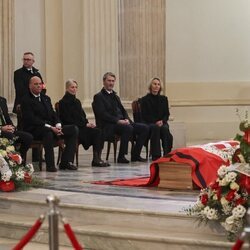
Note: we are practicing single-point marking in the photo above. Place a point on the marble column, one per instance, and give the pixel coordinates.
(142, 49)
(6, 49)
(100, 44)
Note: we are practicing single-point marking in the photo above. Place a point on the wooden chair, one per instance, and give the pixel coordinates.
(137, 116)
(38, 143)
(114, 140)
(61, 149)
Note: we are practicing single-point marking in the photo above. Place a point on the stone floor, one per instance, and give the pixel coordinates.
(79, 183)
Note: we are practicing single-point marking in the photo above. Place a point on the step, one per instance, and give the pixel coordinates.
(109, 216)
(102, 237)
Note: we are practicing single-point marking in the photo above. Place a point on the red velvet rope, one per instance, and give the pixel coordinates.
(238, 244)
(28, 236)
(72, 237)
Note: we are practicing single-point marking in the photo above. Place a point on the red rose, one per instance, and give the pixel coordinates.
(204, 199)
(240, 201)
(230, 195)
(246, 136)
(218, 192)
(7, 186)
(215, 185)
(245, 182)
(27, 178)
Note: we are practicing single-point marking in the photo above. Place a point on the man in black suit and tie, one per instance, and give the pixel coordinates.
(22, 77)
(8, 130)
(21, 83)
(113, 119)
(42, 122)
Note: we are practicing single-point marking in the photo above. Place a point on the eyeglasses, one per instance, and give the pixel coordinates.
(27, 59)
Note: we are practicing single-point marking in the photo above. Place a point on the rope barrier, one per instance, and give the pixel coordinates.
(29, 235)
(53, 228)
(69, 232)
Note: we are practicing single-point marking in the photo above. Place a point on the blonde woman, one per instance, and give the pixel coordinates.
(155, 113)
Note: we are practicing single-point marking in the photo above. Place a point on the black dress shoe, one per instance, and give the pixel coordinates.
(138, 158)
(100, 164)
(68, 166)
(51, 169)
(122, 160)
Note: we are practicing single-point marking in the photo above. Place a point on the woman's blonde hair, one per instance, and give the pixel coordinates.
(150, 84)
(69, 82)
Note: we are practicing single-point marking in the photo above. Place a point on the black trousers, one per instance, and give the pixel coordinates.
(70, 136)
(158, 134)
(137, 131)
(91, 137)
(23, 138)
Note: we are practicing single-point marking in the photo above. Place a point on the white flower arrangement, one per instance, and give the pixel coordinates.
(11, 167)
(225, 201)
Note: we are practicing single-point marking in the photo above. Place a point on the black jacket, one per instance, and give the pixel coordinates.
(35, 115)
(21, 83)
(154, 108)
(71, 111)
(106, 112)
(4, 112)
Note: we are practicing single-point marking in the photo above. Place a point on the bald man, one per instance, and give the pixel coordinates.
(42, 122)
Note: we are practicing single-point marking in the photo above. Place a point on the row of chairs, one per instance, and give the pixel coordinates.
(60, 143)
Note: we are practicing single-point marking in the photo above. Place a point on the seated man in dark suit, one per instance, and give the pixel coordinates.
(114, 119)
(8, 130)
(42, 122)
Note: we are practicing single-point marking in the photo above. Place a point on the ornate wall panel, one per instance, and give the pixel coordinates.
(100, 44)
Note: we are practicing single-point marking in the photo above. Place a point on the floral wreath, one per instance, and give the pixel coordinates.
(12, 171)
(227, 199)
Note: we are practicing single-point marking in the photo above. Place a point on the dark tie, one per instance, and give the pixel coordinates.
(38, 98)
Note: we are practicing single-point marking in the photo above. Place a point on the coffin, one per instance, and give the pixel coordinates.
(174, 175)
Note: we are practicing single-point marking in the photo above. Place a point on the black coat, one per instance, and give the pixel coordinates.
(36, 114)
(71, 111)
(154, 108)
(21, 83)
(4, 111)
(105, 112)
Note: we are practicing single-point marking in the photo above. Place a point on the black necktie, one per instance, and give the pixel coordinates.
(38, 98)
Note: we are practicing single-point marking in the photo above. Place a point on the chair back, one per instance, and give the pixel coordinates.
(97, 121)
(57, 108)
(19, 117)
(136, 109)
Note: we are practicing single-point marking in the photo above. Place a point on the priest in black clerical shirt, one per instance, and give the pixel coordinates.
(42, 122)
(113, 119)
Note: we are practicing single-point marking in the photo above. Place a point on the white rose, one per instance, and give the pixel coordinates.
(230, 220)
(223, 182)
(222, 171)
(3, 153)
(223, 201)
(10, 149)
(234, 186)
(231, 177)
